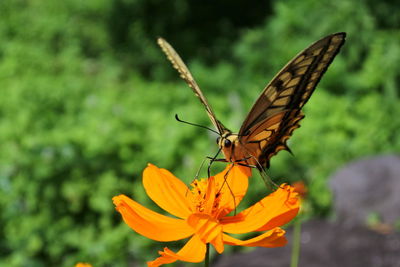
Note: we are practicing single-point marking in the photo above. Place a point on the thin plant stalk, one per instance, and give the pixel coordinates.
(296, 243)
(207, 259)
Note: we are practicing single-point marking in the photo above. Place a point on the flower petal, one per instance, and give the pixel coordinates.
(149, 223)
(205, 226)
(233, 181)
(167, 191)
(274, 210)
(193, 251)
(209, 201)
(218, 243)
(270, 239)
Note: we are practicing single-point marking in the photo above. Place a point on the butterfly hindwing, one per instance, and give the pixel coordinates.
(265, 139)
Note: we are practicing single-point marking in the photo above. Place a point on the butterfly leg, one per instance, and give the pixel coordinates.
(246, 165)
(229, 188)
(197, 174)
(238, 162)
(218, 160)
(201, 167)
(263, 172)
(211, 162)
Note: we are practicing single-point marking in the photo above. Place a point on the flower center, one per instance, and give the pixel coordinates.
(206, 199)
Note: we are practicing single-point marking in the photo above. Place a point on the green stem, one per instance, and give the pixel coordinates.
(207, 259)
(296, 243)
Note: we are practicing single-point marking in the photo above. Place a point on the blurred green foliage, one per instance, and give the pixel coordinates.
(87, 99)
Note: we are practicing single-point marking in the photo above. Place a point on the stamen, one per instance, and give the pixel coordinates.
(199, 191)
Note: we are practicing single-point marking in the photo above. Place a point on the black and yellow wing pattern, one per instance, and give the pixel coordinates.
(277, 111)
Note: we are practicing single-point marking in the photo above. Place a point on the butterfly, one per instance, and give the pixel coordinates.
(277, 111)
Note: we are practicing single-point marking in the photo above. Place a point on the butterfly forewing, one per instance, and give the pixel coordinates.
(284, 97)
(294, 84)
(185, 74)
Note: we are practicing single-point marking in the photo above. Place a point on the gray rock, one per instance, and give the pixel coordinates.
(365, 187)
(325, 244)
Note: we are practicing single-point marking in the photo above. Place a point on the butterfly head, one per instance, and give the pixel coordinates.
(227, 143)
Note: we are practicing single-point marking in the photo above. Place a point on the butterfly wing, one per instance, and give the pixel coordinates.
(277, 112)
(185, 74)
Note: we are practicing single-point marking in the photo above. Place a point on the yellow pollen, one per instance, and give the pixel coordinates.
(199, 191)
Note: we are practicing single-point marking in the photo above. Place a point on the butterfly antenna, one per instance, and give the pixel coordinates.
(193, 124)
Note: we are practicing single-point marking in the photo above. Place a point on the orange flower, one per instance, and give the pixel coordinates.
(202, 213)
(301, 188)
(80, 264)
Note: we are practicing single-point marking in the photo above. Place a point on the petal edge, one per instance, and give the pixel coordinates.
(167, 191)
(149, 223)
(270, 239)
(193, 251)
